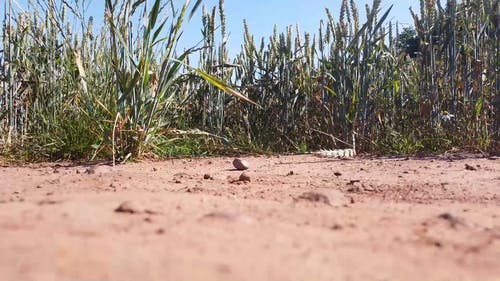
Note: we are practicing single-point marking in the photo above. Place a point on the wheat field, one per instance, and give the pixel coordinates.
(128, 91)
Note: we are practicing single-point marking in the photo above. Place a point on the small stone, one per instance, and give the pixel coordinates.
(90, 171)
(336, 227)
(437, 244)
(224, 216)
(207, 177)
(244, 177)
(352, 182)
(355, 189)
(454, 221)
(337, 174)
(48, 202)
(240, 164)
(470, 168)
(314, 197)
(128, 207)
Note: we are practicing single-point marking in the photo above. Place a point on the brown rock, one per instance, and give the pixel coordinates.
(240, 164)
(129, 207)
(245, 177)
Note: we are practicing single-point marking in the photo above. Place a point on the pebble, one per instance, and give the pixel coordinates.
(129, 207)
(240, 164)
(244, 177)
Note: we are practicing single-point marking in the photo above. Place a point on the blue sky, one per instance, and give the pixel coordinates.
(262, 15)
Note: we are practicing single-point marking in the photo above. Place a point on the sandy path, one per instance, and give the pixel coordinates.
(300, 218)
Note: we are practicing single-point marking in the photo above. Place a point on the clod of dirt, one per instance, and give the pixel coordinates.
(90, 171)
(48, 202)
(129, 207)
(454, 221)
(438, 244)
(244, 177)
(226, 216)
(207, 177)
(314, 197)
(470, 168)
(194, 189)
(352, 182)
(336, 227)
(355, 189)
(291, 173)
(240, 164)
(177, 178)
(224, 268)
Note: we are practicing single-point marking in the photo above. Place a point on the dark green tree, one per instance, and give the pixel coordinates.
(408, 42)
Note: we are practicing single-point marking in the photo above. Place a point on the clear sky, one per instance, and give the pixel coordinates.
(262, 15)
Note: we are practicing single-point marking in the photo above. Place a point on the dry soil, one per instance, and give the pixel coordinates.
(288, 218)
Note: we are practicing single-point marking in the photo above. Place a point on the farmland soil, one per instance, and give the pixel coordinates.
(287, 218)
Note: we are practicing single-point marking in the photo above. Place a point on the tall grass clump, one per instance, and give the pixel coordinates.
(458, 71)
(45, 88)
(146, 70)
(70, 93)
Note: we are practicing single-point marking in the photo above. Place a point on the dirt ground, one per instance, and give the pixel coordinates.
(298, 218)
